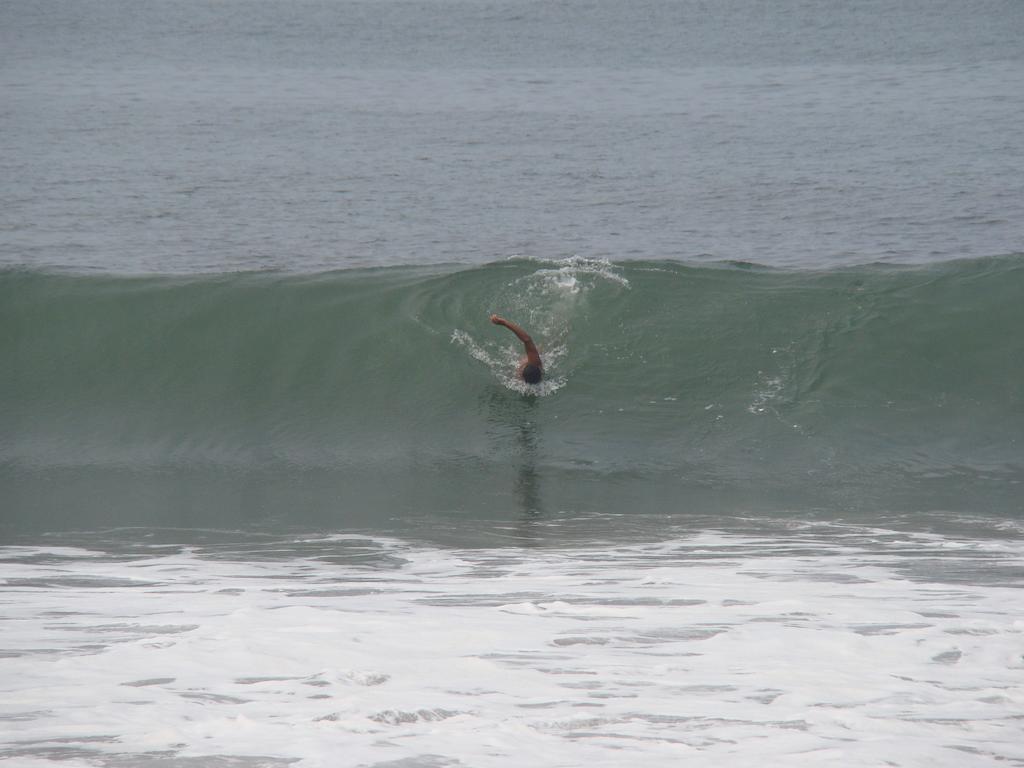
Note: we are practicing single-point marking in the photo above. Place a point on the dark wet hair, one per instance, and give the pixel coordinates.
(532, 374)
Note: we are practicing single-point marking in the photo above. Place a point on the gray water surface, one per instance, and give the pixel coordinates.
(250, 134)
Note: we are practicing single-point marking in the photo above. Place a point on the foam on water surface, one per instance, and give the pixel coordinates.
(861, 647)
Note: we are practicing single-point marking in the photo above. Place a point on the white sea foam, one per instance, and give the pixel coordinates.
(570, 273)
(711, 650)
(476, 351)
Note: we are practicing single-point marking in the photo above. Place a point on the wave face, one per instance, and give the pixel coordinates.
(354, 396)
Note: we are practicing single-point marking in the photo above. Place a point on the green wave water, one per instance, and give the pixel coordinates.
(368, 395)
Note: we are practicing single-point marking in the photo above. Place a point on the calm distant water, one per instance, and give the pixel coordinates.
(208, 136)
(270, 494)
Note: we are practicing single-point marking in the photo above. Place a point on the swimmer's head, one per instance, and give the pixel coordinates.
(532, 374)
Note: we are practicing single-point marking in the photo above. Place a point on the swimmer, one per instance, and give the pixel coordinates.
(530, 367)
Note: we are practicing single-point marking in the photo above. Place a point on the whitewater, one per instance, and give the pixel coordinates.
(812, 645)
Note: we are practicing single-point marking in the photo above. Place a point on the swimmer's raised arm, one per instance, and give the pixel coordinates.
(531, 368)
(523, 335)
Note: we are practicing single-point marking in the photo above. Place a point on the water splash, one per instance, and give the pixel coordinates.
(503, 364)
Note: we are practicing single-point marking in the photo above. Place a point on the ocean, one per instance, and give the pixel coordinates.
(272, 495)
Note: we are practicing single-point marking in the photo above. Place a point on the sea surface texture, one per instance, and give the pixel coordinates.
(272, 495)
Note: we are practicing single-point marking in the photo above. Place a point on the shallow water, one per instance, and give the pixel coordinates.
(815, 643)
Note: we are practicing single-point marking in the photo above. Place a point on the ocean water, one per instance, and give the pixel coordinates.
(271, 495)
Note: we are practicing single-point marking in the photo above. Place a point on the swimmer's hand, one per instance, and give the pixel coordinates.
(497, 320)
